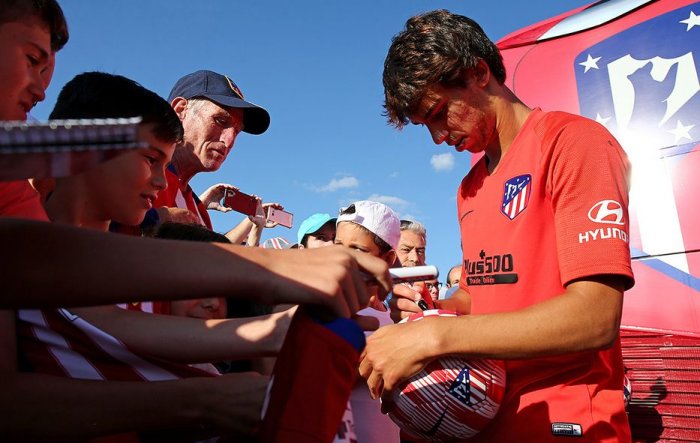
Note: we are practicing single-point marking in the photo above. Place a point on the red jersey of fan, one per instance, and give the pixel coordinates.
(314, 375)
(149, 307)
(19, 199)
(554, 211)
(179, 194)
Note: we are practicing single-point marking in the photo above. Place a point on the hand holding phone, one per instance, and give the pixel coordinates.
(280, 217)
(241, 202)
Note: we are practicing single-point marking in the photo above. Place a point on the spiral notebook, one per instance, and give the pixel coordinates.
(62, 147)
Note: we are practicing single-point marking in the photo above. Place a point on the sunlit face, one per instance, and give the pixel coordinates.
(411, 250)
(454, 276)
(433, 287)
(325, 236)
(353, 236)
(26, 66)
(125, 187)
(457, 116)
(210, 132)
(205, 308)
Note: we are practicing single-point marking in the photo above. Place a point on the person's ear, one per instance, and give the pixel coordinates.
(481, 74)
(179, 105)
(300, 246)
(390, 258)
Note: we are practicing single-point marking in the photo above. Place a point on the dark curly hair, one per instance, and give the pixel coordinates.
(435, 47)
(47, 10)
(102, 95)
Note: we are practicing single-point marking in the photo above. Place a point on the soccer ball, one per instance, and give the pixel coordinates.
(452, 398)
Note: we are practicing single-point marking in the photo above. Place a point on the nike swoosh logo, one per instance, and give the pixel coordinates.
(465, 214)
(432, 431)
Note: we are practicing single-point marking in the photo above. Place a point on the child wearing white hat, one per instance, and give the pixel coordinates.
(373, 228)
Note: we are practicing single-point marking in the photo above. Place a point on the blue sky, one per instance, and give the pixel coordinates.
(316, 65)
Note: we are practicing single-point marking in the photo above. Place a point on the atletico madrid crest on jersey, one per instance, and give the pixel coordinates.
(516, 193)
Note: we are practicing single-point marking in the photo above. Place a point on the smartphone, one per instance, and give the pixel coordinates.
(241, 202)
(283, 218)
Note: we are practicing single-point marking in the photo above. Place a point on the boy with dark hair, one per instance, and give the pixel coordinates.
(552, 312)
(30, 34)
(102, 95)
(47, 11)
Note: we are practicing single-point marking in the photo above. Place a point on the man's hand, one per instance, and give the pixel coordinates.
(403, 302)
(211, 198)
(333, 278)
(395, 353)
(261, 221)
(460, 302)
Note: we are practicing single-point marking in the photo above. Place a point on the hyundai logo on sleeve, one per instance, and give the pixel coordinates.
(607, 211)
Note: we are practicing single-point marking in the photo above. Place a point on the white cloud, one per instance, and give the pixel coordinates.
(443, 162)
(346, 182)
(389, 200)
(394, 174)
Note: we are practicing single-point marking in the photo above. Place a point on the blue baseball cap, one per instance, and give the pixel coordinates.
(222, 90)
(313, 224)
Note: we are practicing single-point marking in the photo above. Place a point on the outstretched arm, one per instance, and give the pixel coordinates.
(191, 340)
(586, 316)
(45, 407)
(239, 233)
(47, 265)
(29, 408)
(259, 223)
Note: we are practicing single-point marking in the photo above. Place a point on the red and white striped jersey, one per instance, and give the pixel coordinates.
(58, 342)
(181, 195)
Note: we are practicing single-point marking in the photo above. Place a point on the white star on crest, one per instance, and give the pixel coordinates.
(590, 63)
(692, 21)
(681, 131)
(601, 120)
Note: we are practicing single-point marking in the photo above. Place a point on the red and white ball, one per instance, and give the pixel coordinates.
(452, 398)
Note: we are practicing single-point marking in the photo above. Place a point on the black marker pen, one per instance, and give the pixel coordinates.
(413, 274)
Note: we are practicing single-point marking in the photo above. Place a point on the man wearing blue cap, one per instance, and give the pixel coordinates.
(316, 231)
(213, 113)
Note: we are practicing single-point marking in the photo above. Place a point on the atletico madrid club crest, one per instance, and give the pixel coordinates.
(642, 84)
(516, 194)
